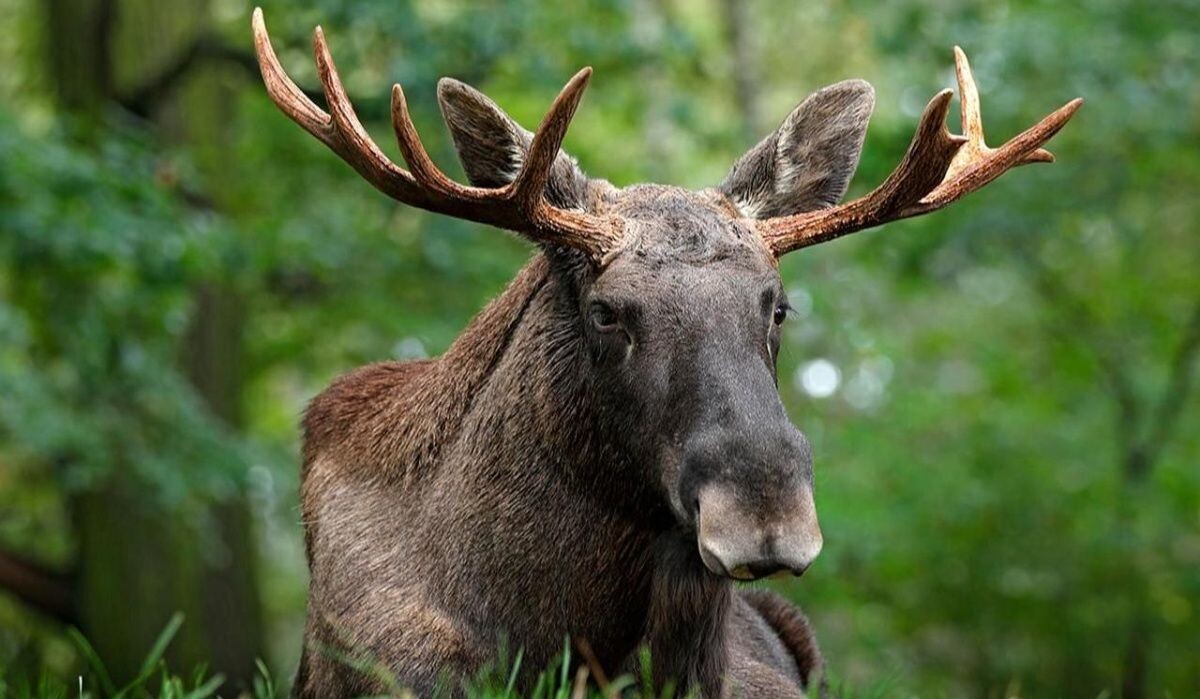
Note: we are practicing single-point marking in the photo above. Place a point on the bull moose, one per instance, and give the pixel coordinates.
(603, 451)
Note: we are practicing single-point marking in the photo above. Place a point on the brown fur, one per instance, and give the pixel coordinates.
(793, 630)
(384, 517)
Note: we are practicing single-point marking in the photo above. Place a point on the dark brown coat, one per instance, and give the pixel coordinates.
(452, 502)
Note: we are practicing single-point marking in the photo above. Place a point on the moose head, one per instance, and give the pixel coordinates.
(677, 293)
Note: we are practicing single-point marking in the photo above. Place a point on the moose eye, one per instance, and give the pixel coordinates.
(603, 317)
(780, 314)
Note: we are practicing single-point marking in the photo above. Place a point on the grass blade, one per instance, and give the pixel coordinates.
(512, 676)
(160, 644)
(566, 666)
(93, 661)
(208, 689)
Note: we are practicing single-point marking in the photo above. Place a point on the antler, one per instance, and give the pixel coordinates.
(937, 169)
(518, 206)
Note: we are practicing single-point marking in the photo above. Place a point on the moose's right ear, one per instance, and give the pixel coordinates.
(492, 147)
(808, 162)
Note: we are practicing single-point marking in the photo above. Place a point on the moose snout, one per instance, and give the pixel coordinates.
(748, 545)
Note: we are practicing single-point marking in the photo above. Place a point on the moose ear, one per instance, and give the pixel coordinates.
(808, 162)
(492, 147)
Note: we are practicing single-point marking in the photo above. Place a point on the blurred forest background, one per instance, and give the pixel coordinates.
(1001, 397)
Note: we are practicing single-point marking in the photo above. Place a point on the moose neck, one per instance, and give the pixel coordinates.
(529, 425)
(686, 623)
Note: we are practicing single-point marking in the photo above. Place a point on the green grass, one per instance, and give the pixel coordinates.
(156, 680)
(556, 681)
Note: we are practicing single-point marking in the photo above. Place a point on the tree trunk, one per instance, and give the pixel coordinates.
(231, 635)
(137, 564)
(78, 45)
(745, 69)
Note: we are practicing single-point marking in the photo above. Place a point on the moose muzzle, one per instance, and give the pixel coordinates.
(748, 545)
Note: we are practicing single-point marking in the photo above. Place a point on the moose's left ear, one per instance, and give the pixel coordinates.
(808, 162)
(492, 147)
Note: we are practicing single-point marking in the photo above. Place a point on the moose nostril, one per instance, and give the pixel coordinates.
(766, 568)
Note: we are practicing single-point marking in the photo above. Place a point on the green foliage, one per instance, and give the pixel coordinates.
(99, 254)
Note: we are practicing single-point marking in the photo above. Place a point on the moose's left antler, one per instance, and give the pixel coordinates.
(938, 169)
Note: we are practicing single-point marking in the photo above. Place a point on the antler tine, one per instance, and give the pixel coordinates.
(937, 169)
(968, 95)
(972, 118)
(340, 130)
(977, 164)
(926, 161)
(353, 143)
(282, 90)
(426, 172)
(530, 183)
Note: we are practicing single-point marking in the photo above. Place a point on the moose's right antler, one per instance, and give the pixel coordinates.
(518, 206)
(938, 169)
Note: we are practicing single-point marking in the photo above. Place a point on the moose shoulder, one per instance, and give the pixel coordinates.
(603, 451)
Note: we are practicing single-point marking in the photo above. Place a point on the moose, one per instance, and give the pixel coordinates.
(603, 451)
